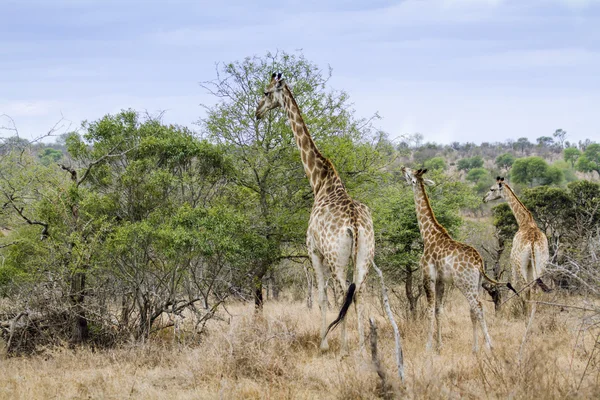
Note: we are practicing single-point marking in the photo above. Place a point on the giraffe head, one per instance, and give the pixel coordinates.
(496, 191)
(412, 177)
(272, 96)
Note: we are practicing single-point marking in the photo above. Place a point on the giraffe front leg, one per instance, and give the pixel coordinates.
(477, 315)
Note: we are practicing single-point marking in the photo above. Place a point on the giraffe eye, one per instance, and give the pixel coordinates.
(267, 94)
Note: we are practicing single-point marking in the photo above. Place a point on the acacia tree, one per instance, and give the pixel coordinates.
(156, 191)
(505, 161)
(590, 159)
(268, 171)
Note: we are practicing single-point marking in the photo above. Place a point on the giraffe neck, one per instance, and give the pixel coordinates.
(429, 226)
(521, 213)
(319, 170)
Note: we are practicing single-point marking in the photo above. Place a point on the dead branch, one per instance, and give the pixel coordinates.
(388, 310)
(386, 389)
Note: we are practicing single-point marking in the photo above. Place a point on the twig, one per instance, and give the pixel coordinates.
(563, 305)
(388, 310)
(588, 362)
(522, 347)
(12, 329)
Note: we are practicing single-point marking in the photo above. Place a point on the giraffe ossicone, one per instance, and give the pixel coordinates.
(340, 229)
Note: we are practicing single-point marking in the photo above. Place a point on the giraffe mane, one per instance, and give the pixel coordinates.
(326, 160)
(428, 204)
(518, 200)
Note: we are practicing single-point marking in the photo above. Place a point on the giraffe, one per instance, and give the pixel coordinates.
(340, 229)
(445, 260)
(529, 253)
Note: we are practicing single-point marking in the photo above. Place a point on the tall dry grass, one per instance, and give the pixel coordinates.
(277, 356)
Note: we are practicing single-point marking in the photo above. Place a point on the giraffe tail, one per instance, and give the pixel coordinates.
(344, 309)
(352, 288)
(495, 282)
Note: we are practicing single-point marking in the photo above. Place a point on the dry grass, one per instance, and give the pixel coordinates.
(277, 357)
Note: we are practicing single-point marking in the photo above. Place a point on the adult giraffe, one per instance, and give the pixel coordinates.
(446, 260)
(340, 229)
(529, 253)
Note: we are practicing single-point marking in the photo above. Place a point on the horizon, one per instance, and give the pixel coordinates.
(508, 68)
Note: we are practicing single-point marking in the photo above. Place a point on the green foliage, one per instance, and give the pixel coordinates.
(571, 155)
(585, 197)
(522, 144)
(466, 164)
(477, 174)
(554, 176)
(505, 161)
(590, 159)
(567, 171)
(504, 221)
(545, 141)
(551, 207)
(531, 171)
(50, 155)
(436, 163)
(560, 136)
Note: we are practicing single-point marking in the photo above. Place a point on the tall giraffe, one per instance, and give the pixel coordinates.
(529, 253)
(444, 261)
(340, 229)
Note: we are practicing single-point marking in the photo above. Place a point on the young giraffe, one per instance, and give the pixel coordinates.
(444, 261)
(340, 229)
(529, 253)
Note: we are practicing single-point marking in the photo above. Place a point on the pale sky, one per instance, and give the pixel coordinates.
(453, 70)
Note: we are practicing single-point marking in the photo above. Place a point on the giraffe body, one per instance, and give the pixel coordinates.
(340, 229)
(529, 254)
(446, 261)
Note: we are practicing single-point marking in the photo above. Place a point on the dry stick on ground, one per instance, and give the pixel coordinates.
(388, 310)
(533, 308)
(588, 362)
(386, 389)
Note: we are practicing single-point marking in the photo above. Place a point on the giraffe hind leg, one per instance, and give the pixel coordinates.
(439, 298)
(429, 286)
(478, 316)
(317, 263)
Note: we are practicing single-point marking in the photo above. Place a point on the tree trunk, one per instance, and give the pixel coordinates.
(493, 290)
(80, 331)
(258, 290)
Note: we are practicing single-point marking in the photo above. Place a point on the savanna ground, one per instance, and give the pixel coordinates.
(276, 356)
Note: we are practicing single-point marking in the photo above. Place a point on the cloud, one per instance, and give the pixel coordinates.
(24, 108)
(542, 58)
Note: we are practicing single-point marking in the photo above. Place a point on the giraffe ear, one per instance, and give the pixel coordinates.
(424, 170)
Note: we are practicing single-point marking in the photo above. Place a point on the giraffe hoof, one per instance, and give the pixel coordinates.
(324, 346)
